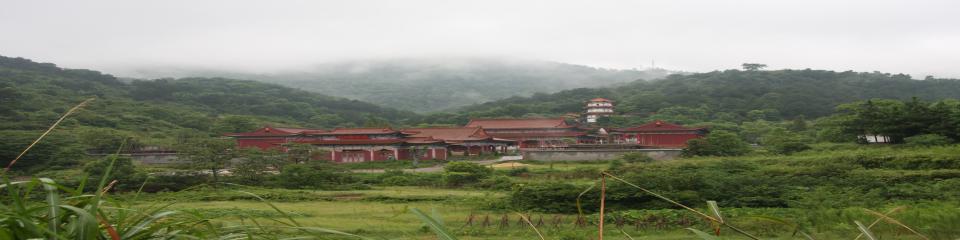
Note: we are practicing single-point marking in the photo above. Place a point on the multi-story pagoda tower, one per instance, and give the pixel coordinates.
(596, 108)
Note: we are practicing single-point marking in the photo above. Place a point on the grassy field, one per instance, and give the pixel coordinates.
(915, 184)
(365, 213)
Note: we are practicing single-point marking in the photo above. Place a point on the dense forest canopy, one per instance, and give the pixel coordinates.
(731, 95)
(431, 85)
(33, 95)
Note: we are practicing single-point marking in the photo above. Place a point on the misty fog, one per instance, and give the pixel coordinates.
(912, 37)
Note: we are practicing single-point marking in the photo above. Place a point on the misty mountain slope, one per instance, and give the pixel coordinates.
(34, 94)
(429, 85)
(731, 94)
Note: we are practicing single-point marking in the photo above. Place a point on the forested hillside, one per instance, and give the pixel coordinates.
(731, 95)
(155, 112)
(430, 85)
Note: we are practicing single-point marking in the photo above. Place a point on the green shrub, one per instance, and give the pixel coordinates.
(57, 151)
(787, 148)
(516, 172)
(496, 183)
(127, 177)
(787, 144)
(400, 178)
(636, 157)
(718, 143)
(456, 179)
(320, 176)
(468, 167)
(174, 181)
(463, 173)
(398, 181)
(928, 140)
(551, 197)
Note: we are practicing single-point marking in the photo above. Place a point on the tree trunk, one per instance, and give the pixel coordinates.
(216, 178)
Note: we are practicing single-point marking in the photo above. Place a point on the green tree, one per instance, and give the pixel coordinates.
(718, 143)
(897, 120)
(831, 129)
(234, 123)
(209, 154)
(316, 175)
(753, 66)
(303, 153)
(254, 164)
(9, 99)
(57, 150)
(124, 172)
(799, 124)
(683, 115)
(944, 121)
(928, 140)
(756, 131)
(105, 140)
(376, 122)
(764, 114)
(326, 120)
(787, 143)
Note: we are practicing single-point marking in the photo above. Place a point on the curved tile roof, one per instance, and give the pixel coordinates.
(518, 123)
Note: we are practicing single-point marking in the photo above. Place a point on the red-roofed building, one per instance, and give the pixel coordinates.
(362, 144)
(348, 144)
(267, 137)
(531, 133)
(464, 140)
(657, 134)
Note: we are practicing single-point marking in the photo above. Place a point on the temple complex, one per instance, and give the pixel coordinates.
(478, 137)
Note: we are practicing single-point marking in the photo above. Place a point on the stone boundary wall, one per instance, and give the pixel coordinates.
(596, 154)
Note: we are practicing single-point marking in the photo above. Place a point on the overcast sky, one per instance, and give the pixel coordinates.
(914, 37)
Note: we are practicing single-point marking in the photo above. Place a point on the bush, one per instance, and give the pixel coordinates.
(516, 172)
(468, 167)
(462, 173)
(397, 181)
(787, 144)
(551, 197)
(636, 157)
(56, 151)
(928, 140)
(496, 183)
(456, 179)
(127, 177)
(718, 143)
(319, 176)
(400, 178)
(615, 164)
(789, 147)
(174, 181)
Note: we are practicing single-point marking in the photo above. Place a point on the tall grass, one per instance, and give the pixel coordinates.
(40, 208)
